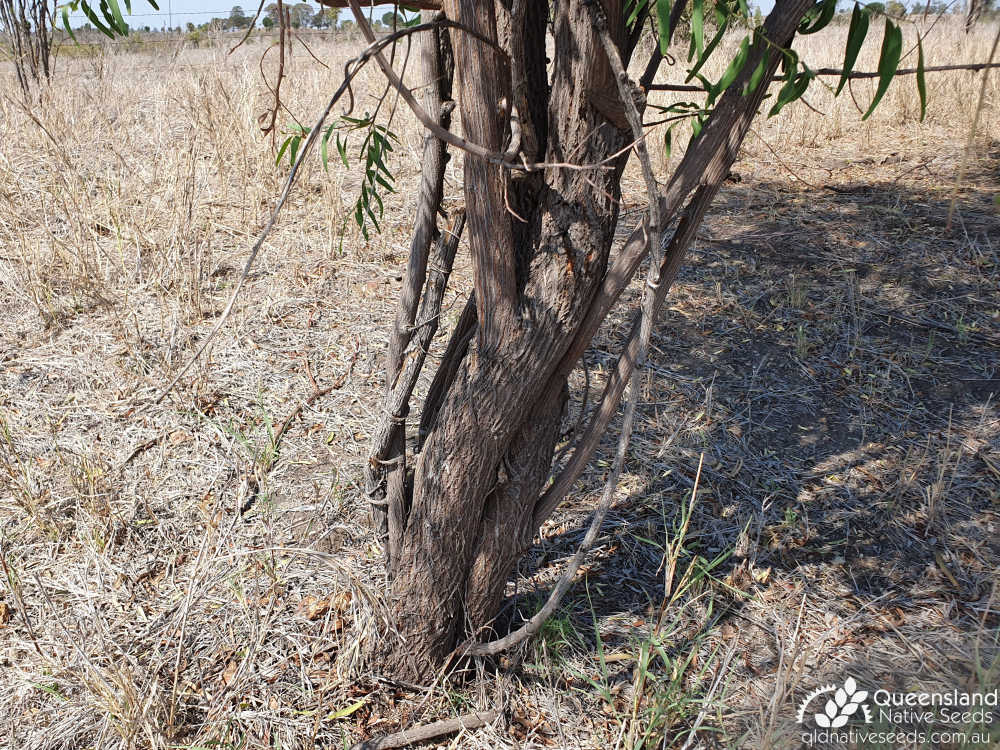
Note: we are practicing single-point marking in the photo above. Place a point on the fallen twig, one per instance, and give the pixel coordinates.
(428, 731)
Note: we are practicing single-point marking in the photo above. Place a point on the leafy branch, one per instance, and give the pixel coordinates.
(375, 147)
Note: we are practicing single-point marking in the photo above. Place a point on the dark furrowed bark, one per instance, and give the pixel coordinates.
(484, 100)
(507, 527)
(485, 407)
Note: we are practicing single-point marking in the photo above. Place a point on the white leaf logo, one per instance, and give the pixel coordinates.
(831, 709)
(839, 708)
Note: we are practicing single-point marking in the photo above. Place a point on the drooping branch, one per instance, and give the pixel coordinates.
(853, 75)
(351, 69)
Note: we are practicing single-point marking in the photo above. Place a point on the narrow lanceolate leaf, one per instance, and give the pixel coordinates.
(921, 83)
(281, 151)
(69, 30)
(791, 91)
(855, 38)
(92, 17)
(119, 21)
(663, 8)
(668, 139)
(634, 13)
(703, 58)
(733, 70)
(888, 62)
(697, 29)
(756, 77)
(818, 17)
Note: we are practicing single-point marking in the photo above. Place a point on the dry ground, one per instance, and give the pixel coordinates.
(830, 352)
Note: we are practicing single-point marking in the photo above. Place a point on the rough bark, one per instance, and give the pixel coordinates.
(484, 408)
(385, 475)
(540, 245)
(484, 99)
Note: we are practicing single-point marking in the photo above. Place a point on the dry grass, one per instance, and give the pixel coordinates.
(831, 349)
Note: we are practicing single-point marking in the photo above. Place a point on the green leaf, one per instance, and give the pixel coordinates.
(888, 62)
(92, 17)
(697, 28)
(696, 125)
(733, 70)
(855, 38)
(296, 140)
(791, 91)
(637, 8)
(663, 8)
(668, 138)
(345, 712)
(281, 151)
(116, 14)
(756, 77)
(342, 149)
(69, 30)
(723, 26)
(921, 83)
(818, 17)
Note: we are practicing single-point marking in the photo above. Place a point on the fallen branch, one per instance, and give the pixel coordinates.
(429, 731)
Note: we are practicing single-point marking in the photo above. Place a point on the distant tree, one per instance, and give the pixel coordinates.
(271, 12)
(895, 9)
(267, 22)
(237, 19)
(324, 18)
(300, 15)
(347, 26)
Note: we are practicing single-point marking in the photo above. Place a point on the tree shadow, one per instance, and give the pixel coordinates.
(833, 355)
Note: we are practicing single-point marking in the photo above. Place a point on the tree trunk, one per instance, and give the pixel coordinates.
(485, 456)
(540, 244)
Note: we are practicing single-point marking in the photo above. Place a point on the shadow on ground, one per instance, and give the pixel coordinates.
(834, 354)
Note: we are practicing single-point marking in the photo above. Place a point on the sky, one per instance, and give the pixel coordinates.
(183, 11)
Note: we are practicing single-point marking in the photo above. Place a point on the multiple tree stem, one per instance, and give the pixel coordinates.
(544, 280)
